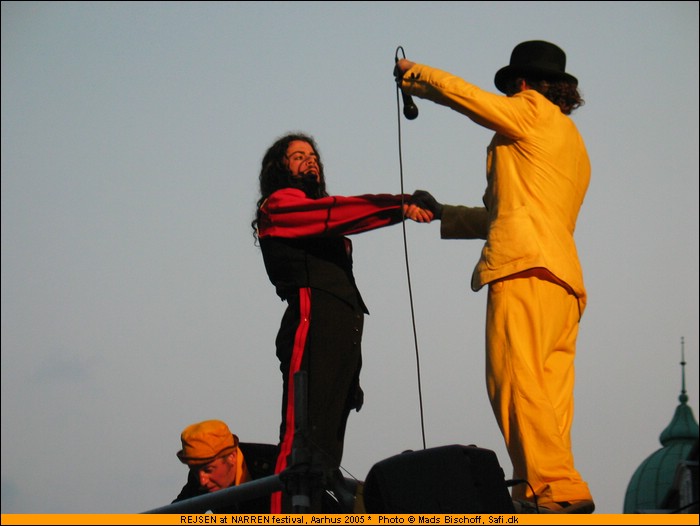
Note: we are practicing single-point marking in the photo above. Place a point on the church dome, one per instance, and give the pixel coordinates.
(649, 488)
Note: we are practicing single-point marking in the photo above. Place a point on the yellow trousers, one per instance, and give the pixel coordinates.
(531, 328)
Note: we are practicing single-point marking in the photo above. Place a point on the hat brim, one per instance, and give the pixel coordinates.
(507, 73)
(194, 461)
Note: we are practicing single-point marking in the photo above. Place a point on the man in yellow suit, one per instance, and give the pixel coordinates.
(537, 173)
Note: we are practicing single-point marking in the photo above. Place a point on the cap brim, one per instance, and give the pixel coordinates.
(197, 461)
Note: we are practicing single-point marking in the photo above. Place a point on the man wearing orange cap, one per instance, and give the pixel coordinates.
(216, 462)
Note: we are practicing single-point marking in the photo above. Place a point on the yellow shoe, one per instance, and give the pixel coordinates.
(524, 506)
(573, 506)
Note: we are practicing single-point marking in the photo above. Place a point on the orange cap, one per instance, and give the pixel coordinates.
(205, 441)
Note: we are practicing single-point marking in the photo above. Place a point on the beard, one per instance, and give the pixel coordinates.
(308, 183)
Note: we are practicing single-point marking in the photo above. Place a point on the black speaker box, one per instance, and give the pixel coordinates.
(447, 479)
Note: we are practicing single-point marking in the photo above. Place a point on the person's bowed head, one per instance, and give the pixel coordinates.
(211, 452)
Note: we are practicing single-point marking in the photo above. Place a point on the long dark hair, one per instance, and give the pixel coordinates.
(275, 175)
(562, 93)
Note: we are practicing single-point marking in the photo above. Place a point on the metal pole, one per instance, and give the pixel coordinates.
(301, 456)
(202, 503)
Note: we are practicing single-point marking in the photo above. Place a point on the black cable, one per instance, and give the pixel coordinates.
(405, 246)
(514, 482)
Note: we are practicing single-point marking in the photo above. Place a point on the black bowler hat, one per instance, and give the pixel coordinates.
(535, 58)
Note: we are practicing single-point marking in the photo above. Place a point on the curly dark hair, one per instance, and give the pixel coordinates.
(275, 175)
(562, 93)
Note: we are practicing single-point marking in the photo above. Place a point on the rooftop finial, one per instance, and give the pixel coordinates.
(683, 398)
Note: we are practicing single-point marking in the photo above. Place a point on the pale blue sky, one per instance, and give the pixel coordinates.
(135, 303)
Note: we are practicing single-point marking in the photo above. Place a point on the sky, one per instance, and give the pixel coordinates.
(135, 302)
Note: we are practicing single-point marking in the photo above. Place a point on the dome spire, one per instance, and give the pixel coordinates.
(683, 398)
(683, 425)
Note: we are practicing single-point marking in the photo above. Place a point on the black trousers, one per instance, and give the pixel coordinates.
(322, 335)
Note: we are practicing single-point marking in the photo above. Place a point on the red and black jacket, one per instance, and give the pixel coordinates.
(303, 239)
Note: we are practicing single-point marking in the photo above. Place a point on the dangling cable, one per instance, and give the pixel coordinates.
(405, 246)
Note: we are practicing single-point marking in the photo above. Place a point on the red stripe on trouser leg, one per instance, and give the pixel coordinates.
(295, 365)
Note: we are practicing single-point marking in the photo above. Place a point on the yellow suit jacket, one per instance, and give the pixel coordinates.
(537, 173)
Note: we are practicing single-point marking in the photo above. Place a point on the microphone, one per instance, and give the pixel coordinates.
(410, 111)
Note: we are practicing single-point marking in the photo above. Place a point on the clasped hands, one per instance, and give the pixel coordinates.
(422, 207)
